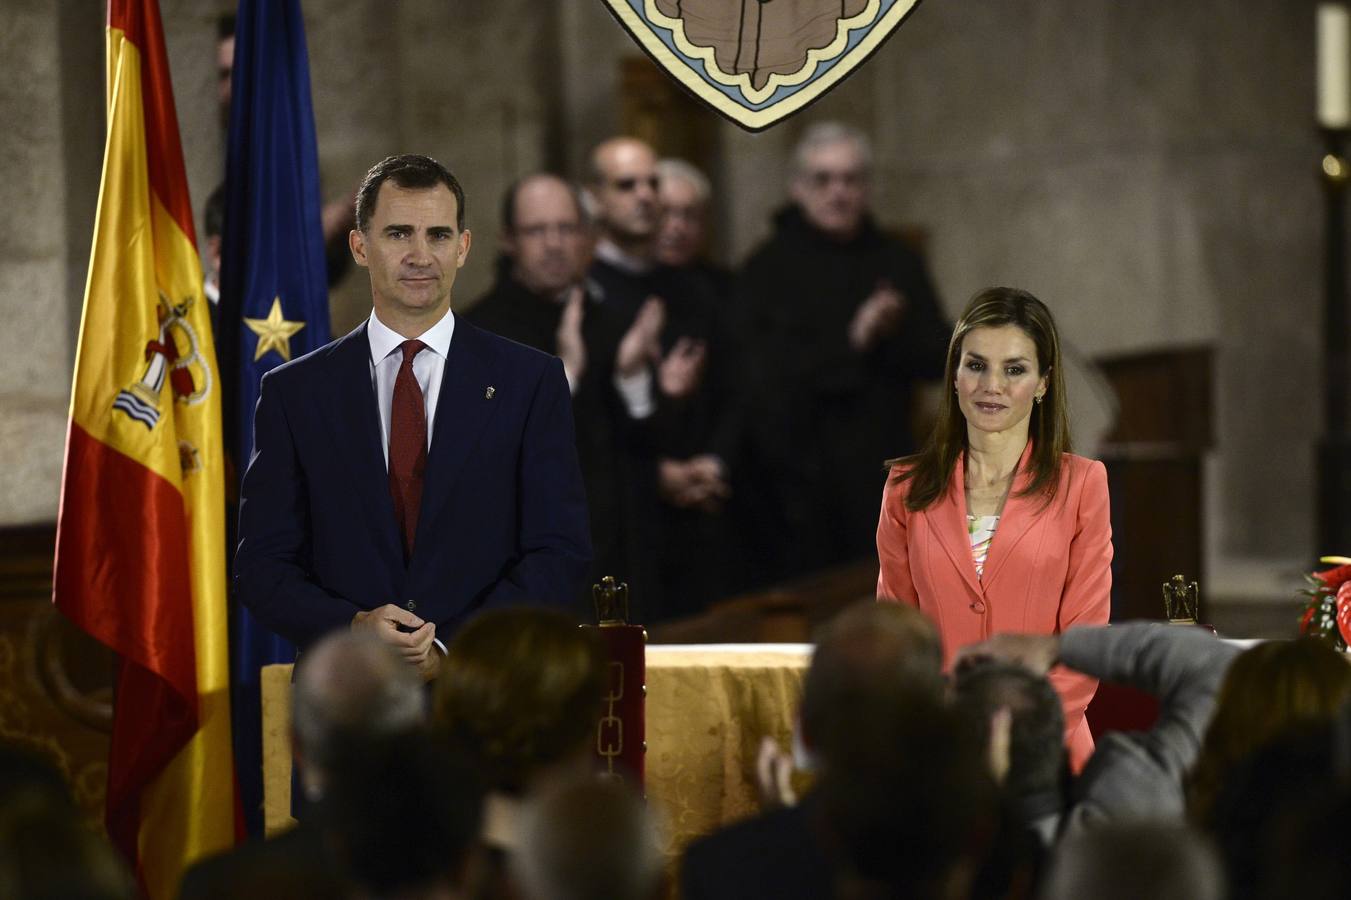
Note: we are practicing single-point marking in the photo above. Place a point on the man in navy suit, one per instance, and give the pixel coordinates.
(419, 469)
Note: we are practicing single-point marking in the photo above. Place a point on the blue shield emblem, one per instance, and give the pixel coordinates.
(759, 61)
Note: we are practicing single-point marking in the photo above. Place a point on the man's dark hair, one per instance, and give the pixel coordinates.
(590, 839)
(1037, 729)
(410, 172)
(225, 26)
(509, 199)
(890, 645)
(906, 797)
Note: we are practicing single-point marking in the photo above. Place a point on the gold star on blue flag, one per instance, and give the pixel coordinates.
(274, 332)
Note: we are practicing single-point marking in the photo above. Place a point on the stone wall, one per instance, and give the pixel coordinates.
(36, 261)
(1147, 168)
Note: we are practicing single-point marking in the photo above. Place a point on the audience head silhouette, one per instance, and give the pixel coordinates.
(868, 647)
(1269, 689)
(1036, 737)
(349, 686)
(1126, 861)
(403, 815)
(520, 690)
(590, 839)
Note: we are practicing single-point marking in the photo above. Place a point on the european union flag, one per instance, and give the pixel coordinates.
(274, 291)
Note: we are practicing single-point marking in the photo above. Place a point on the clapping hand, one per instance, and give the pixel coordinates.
(773, 775)
(877, 317)
(568, 337)
(641, 344)
(683, 368)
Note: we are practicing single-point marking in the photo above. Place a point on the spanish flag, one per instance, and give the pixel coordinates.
(140, 560)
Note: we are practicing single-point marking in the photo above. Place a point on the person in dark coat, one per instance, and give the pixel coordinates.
(685, 194)
(350, 688)
(698, 426)
(837, 320)
(867, 651)
(543, 298)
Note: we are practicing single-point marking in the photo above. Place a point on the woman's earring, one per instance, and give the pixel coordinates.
(1038, 399)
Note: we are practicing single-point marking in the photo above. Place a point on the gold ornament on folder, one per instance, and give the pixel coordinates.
(612, 601)
(1181, 600)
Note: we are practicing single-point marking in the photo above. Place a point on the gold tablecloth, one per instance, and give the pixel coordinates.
(708, 705)
(275, 687)
(707, 708)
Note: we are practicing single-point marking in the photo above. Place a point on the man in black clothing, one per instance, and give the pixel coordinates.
(349, 688)
(697, 428)
(542, 298)
(685, 194)
(837, 320)
(869, 651)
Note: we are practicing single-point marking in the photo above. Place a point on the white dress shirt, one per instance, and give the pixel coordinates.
(428, 367)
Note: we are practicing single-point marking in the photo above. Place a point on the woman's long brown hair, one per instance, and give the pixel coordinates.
(930, 471)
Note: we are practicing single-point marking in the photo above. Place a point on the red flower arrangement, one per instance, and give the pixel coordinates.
(1327, 612)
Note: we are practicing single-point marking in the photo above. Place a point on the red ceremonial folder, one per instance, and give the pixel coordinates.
(621, 727)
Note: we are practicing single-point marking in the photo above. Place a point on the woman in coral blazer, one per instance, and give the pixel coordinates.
(994, 526)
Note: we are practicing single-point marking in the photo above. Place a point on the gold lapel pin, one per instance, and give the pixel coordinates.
(488, 394)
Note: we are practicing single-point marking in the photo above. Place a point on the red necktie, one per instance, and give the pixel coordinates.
(407, 446)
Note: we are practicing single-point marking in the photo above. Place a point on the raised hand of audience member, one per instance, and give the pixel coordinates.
(998, 750)
(773, 775)
(683, 368)
(1037, 652)
(571, 346)
(415, 644)
(641, 344)
(876, 317)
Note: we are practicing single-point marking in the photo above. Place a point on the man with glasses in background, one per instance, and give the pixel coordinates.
(543, 298)
(696, 404)
(838, 319)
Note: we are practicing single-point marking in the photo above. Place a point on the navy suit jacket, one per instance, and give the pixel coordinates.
(503, 519)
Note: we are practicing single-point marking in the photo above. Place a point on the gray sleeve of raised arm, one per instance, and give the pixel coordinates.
(1142, 773)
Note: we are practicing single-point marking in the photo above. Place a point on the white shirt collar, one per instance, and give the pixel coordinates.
(384, 340)
(608, 251)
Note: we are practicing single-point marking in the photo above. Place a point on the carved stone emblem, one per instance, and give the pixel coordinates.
(757, 61)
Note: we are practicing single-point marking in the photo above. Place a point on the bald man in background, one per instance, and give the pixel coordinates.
(544, 299)
(697, 431)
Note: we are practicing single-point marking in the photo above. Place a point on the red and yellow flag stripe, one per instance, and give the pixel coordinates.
(141, 535)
